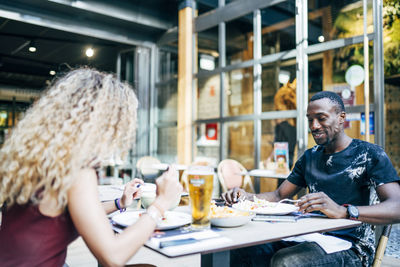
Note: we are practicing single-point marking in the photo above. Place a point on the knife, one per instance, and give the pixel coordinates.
(178, 242)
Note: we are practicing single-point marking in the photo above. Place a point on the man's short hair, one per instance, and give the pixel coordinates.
(333, 97)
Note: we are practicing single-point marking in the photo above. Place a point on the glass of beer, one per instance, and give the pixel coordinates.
(200, 180)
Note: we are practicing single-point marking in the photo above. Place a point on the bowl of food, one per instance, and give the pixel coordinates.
(223, 216)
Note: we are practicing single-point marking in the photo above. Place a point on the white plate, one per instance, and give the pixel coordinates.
(173, 219)
(231, 221)
(279, 209)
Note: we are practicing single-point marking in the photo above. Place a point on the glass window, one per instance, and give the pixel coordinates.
(167, 101)
(208, 95)
(279, 86)
(168, 65)
(391, 46)
(239, 92)
(167, 146)
(208, 49)
(330, 20)
(207, 142)
(278, 28)
(3, 118)
(342, 71)
(127, 73)
(240, 142)
(273, 131)
(239, 40)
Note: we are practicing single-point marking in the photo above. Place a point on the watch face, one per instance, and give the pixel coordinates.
(353, 212)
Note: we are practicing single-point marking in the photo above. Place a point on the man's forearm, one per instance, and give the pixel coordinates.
(387, 212)
(270, 196)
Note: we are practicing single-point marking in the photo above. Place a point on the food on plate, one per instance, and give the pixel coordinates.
(263, 206)
(223, 212)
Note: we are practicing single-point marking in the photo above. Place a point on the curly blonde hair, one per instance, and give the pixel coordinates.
(84, 119)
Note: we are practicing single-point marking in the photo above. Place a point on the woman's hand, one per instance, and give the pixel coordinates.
(131, 192)
(168, 188)
(321, 202)
(236, 194)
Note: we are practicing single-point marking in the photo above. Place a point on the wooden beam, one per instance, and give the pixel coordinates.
(185, 92)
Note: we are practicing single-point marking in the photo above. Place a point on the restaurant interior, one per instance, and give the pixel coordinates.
(215, 79)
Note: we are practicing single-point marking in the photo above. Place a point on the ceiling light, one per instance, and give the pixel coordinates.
(207, 62)
(321, 38)
(283, 76)
(89, 52)
(52, 72)
(32, 47)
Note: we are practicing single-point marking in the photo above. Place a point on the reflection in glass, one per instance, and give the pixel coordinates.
(327, 71)
(207, 48)
(167, 102)
(278, 28)
(239, 40)
(208, 97)
(279, 130)
(240, 142)
(239, 92)
(330, 71)
(168, 65)
(275, 76)
(330, 20)
(391, 45)
(166, 149)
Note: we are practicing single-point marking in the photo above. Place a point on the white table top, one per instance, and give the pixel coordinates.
(164, 166)
(255, 233)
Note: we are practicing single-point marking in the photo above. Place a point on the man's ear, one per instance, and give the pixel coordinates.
(342, 117)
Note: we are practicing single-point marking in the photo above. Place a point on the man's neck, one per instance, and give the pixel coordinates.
(341, 143)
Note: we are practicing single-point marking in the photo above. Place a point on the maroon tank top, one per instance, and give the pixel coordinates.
(29, 238)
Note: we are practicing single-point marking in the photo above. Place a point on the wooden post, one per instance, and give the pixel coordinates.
(185, 76)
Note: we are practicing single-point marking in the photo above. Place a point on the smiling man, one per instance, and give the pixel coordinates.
(346, 177)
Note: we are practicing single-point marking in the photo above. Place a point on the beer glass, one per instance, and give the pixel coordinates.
(200, 180)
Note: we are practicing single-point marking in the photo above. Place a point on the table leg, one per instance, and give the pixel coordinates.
(221, 259)
(257, 184)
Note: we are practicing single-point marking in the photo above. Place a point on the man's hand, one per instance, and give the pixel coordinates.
(236, 194)
(321, 202)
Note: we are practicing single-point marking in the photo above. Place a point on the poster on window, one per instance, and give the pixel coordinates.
(211, 131)
(371, 123)
(281, 156)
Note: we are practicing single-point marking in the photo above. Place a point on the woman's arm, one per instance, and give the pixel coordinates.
(91, 222)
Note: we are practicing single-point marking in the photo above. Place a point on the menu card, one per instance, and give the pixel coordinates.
(184, 241)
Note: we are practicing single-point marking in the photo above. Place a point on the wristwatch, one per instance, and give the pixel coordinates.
(352, 212)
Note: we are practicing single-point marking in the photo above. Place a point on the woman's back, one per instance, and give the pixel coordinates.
(29, 238)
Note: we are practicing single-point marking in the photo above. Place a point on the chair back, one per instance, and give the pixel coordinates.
(145, 168)
(380, 249)
(232, 174)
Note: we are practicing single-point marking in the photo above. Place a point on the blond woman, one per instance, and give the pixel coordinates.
(48, 185)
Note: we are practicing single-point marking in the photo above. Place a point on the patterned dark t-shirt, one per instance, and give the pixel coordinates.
(347, 177)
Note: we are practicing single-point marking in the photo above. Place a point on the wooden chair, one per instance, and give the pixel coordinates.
(145, 170)
(230, 176)
(380, 249)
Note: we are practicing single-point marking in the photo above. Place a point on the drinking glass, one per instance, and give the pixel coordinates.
(200, 180)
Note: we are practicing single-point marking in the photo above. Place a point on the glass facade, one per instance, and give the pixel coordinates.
(252, 87)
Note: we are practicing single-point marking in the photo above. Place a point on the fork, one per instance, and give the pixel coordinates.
(289, 200)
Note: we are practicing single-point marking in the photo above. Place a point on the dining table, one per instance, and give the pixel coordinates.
(226, 239)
